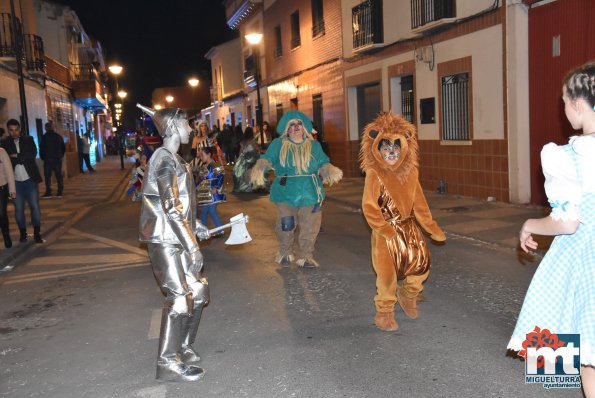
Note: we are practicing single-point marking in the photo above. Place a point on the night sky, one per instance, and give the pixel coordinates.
(160, 43)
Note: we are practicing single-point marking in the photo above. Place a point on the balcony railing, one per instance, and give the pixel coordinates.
(7, 48)
(83, 72)
(426, 11)
(366, 24)
(34, 55)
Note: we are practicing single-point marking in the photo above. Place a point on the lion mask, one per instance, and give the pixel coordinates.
(394, 128)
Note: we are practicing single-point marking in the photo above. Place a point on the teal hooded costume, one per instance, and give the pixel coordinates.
(297, 190)
(292, 186)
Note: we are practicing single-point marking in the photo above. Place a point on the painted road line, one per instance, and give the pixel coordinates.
(111, 242)
(87, 270)
(89, 259)
(78, 246)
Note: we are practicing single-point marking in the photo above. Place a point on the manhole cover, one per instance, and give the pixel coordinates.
(456, 209)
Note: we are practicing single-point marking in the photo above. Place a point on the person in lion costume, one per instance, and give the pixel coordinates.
(395, 207)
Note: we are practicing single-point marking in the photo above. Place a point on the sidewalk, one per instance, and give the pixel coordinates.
(491, 222)
(81, 192)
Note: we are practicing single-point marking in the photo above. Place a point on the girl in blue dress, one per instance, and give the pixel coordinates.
(561, 297)
(209, 190)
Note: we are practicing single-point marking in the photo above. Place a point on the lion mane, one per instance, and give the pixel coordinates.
(389, 126)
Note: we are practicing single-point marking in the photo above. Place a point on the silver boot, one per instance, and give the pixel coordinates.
(169, 364)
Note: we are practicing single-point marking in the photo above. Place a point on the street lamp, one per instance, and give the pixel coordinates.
(254, 39)
(116, 70)
(122, 94)
(169, 99)
(193, 82)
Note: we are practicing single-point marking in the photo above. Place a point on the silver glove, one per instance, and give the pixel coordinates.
(196, 262)
(201, 231)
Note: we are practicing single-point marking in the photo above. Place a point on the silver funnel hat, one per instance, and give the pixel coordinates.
(163, 118)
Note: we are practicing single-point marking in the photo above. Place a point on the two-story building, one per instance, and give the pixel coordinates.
(64, 74)
(21, 29)
(299, 64)
(229, 104)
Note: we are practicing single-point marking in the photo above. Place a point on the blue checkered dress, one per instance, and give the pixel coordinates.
(561, 296)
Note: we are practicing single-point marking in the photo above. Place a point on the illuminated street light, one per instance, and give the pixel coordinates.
(115, 69)
(117, 106)
(193, 82)
(122, 94)
(254, 38)
(157, 107)
(169, 99)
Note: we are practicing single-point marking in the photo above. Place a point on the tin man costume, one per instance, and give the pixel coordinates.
(168, 225)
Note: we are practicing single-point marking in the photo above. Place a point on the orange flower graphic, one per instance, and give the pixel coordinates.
(540, 338)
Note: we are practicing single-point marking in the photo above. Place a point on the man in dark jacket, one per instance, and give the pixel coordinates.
(51, 151)
(22, 152)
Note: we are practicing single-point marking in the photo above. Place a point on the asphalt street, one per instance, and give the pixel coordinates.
(81, 317)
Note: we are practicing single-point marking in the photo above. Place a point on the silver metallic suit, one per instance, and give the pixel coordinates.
(169, 227)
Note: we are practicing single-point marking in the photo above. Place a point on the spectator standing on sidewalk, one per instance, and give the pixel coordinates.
(22, 152)
(7, 190)
(86, 152)
(79, 150)
(51, 151)
(561, 297)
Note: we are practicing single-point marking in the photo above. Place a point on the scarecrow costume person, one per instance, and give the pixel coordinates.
(301, 167)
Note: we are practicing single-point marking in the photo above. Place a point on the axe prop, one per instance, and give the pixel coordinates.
(239, 233)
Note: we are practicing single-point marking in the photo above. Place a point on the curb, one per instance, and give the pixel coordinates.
(454, 235)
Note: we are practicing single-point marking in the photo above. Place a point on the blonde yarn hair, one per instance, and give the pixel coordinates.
(300, 154)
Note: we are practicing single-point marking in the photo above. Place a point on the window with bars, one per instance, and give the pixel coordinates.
(455, 107)
(366, 23)
(250, 71)
(278, 42)
(426, 11)
(407, 98)
(317, 18)
(295, 30)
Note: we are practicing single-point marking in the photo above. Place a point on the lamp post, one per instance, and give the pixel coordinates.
(193, 82)
(116, 70)
(254, 39)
